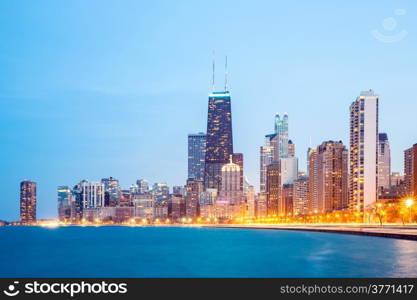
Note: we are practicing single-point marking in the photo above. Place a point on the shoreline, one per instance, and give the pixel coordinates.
(392, 232)
(387, 231)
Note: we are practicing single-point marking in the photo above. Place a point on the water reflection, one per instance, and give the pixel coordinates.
(405, 258)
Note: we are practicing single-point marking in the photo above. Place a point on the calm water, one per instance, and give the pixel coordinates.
(199, 252)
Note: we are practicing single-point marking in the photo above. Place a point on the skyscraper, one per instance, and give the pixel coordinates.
(92, 194)
(27, 201)
(266, 158)
(300, 196)
(281, 130)
(384, 162)
(329, 177)
(363, 181)
(193, 188)
(237, 158)
(230, 200)
(219, 145)
(143, 186)
(160, 191)
(196, 155)
(273, 188)
(410, 171)
(64, 203)
(112, 191)
(291, 148)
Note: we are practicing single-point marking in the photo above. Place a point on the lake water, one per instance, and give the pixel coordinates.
(199, 252)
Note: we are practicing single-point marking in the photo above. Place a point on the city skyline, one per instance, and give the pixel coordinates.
(43, 164)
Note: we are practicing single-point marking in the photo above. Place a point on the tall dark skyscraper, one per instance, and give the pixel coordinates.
(219, 145)
(27, 201)
(196, 155)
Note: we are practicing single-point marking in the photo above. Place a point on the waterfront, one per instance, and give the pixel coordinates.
(199, 252)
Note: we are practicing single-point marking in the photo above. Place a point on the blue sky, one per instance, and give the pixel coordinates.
(91, 89)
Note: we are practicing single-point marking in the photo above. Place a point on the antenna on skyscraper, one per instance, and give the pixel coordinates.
(214, 66)
(225, 75)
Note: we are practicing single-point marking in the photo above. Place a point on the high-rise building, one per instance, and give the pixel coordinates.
(219, 144)
(410, 171)
(329, 177)
(193, 189)
(27, 201)
(291, 148)
(230, 200)
(250, 202)
(384, 162)
(143, 186)
(125, 198)
(396, 179)
(176, 208)
(287, 199)
(144, 205)
(300, 196)
(178, 190)
(281, 130)
(64, 203)
(112, 191)
(237, 158)
(196, 155)
(160, 191)
(289, 169)
(266, 158)
(92, 194)
(273, 188)
(363, 181)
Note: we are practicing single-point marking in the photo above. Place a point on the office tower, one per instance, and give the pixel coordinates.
(363, 151)
(266, 158)
(300, 196)
(313, 193)
(193, 189)
(112, 191)
(64, 203)
(143, 186)
(250, 202)
(207, 203)
(76, 203)
(196, 155)
(92, 194)
(289, 169)
(160, 210)
(396, 179)
(219, 145)
(178, 190)
(160, 191)
(291, 149)
(273, 188)
(230, 200)
(27, 201)
(281, 130)
(328, 180)
(262, 205)
(176, 208)
(144, 205)
(410, 171)
(287, 199)
(125, 198)
(237, 158)
(384, 162)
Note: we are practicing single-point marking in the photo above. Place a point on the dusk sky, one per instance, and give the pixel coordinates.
(92, 89)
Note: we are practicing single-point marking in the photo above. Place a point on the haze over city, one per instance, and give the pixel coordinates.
(113, 94)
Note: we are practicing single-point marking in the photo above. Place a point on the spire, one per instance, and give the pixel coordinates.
(214, 66)
(231, 158)
(225, 75)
